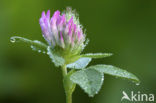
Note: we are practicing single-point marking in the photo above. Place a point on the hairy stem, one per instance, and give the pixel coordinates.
(64, 71)
(69, 87)
(69, 98)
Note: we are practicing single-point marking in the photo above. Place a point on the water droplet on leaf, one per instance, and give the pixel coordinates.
(39, 51)
(33, 47)
(12, 39)
(137, 84)
(44, 52)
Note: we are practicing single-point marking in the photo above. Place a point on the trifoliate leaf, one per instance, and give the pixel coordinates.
(115, 71)
(34, 44)
(89, 80)
(80, 63)
(56, 59)
(97, 55)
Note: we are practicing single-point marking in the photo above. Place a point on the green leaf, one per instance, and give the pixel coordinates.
(34, 44)
(56, 59)
(115, 71)
(80, 63)
(89, 80)
(97, 55)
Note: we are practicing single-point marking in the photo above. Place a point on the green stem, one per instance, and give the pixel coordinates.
(64, 71)
(68, 97)
(69, 86)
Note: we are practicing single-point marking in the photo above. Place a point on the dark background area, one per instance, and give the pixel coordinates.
(126, 28)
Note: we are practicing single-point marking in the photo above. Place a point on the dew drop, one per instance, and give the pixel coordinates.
(44, 52)
(33, 47)
(48, 53)
(137, 84)
(39, 51)
(12, 39)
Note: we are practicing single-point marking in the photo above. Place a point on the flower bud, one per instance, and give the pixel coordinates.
(63, 31)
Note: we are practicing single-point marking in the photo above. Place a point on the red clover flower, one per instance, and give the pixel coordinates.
(63, 30)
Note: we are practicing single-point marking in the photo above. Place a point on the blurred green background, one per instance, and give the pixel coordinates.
(126, 28)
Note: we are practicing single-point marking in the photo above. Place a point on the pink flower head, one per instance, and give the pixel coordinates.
(62, 30)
